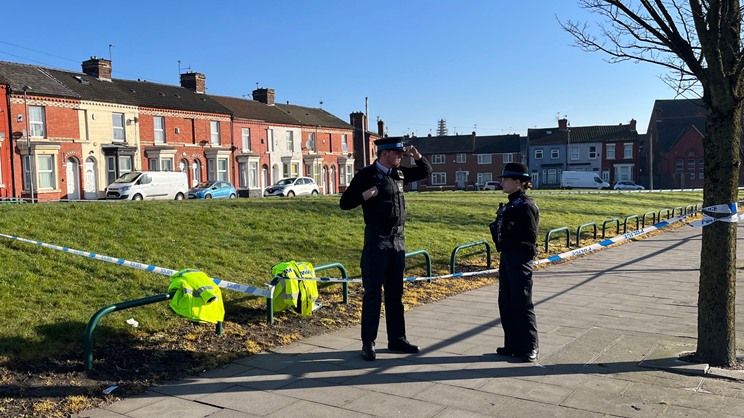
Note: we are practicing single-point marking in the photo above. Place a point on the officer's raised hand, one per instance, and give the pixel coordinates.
(411, 151)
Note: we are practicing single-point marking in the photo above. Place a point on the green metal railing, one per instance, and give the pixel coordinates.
(653, 217)
(578, 232)
(568, 237)
(426, 256)
(669, 216)
(675, 210)
(689, 209)
(604, 226)
(625, 223)
(88, 339)
(470, 244)
(321, 267)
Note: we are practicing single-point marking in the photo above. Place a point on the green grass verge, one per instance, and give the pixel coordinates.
(47, 296)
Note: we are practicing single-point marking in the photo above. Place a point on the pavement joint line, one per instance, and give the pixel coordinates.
(606, 349)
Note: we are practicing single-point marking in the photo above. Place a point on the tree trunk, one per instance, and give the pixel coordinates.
(716, 316)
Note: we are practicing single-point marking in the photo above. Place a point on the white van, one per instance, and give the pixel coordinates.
(150, 185)
(582, 180)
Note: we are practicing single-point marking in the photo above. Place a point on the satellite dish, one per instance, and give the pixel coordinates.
(310, 145)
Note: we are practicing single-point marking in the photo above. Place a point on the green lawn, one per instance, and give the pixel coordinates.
(48, 296)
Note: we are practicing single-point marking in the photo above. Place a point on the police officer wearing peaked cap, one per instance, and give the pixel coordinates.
(378, 188)
(515, 235)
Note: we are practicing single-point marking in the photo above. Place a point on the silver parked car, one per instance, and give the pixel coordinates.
(293, 186)
(627, 185)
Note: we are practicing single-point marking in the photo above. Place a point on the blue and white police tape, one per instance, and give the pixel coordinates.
(142, 266)
(730, 208)
(614, 191)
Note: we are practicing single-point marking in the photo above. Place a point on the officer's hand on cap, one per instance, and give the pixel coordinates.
(411, 151)
(370, 193)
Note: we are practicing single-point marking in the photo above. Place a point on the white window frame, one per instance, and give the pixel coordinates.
(461, 158)
(158, 131)
(166, 164)
(349, 173)
(628, 151)
(344, 143)
(552, 172)
(701, 166)
(508, 158)
(129, 164)
(555, 153)
(484, 177)
(623, 172)
(439, 178)
(37, 121)
(679, 165)
(290, 141)
(245, 134)
(27, 172)
(270, 138)
(46, 176)
(437, 159)
(311, 142)
(538, 154)
(153, 164)
(593, 152)
(120, 134)
(691, 167)
(575, 153)
(485, 159)
(610, 151)
(222, 172)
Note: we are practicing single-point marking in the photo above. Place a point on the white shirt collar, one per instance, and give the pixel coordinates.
(382, 167)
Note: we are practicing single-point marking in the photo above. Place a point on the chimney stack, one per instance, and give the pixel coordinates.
(380, 128)
(633, 125)
(563, 124)
(194, 82)
(98, 67)
(265, 96)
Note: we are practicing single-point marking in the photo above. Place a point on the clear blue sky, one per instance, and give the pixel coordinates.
(503, 65)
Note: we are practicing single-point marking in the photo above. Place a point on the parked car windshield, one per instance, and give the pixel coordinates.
(204, 184)
(128, 178)
(285, 182)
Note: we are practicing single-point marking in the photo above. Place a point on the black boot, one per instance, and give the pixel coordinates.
(403, 345)
(368, 351)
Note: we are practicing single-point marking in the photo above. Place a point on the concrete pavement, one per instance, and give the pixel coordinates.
(610, 323)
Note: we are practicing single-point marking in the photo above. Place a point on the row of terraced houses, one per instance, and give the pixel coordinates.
(85, 129)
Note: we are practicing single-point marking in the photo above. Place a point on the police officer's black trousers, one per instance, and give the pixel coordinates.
(515, 301)
(383, 262)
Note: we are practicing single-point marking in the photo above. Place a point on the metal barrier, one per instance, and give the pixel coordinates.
(426, 256)
(625, 223)
(653, 217)
(568, 237)
(675, 210)
(691, 209)
(326, 266)
(471, 244)
(88, 339)
(699, 206)
(12, 201)
(578, 232)
(604, 226)
(669, 216)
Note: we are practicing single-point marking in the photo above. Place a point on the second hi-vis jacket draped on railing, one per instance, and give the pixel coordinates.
(197, 297)
(290, 292)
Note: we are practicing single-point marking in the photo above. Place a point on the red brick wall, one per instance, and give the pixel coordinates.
(6, 145)
(689, 146)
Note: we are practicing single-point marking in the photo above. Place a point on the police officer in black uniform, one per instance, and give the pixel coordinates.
(515, 235)
(379, 189)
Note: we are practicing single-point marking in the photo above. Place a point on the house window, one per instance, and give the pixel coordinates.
(253, 174)
(574, 153)
(624, 172)
(484, 158)
(36, 121)
(118, 120)
(211, 169)
(110, 170)
(285, 170)
(153, 164)
(196, 173)
(344, 143)
(592, 153)
(555, 154)
(438, 179)
(349, 173)
(270, 138)
(317, 171)
(461, 158)
(538, 154)
(484, 177)
(125, 165)
(508, 158)
(311, 142)
(437, 159)
(610, 151)
(679, 165)
(27, 172)
(214, 127)
(700, 168)
(691, 168)
(627, 151)
(243, 170)
(290, 141)
(552, 176)
(159, 129)
(342, 174)
(46, 172)
(217, 169)
(246, 135)
(166, 164)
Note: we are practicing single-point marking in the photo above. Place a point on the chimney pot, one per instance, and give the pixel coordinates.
(194, 81)
(98, 67)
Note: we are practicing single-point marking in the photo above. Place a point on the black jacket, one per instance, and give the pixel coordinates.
(388, 208)
(516, 225)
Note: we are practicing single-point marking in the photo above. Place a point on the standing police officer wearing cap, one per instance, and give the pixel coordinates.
(379, 189)
(515, 235)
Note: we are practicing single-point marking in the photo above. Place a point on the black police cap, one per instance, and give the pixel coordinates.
(516, 171)
(389, 144)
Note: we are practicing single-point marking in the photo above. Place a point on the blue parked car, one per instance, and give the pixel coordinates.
(213, 189)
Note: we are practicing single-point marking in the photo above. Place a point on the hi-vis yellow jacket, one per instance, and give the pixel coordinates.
(290, 292)
(197, 297)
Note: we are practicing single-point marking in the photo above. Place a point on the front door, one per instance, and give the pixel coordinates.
(325, 180)
(332, 186)
(73, 179)
(91, 185)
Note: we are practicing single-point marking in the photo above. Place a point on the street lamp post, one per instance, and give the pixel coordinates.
(28, 145)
